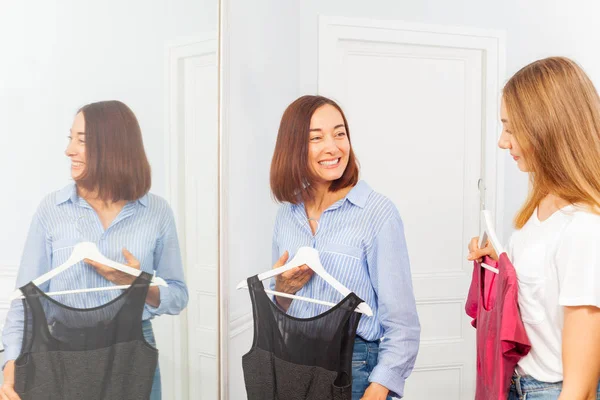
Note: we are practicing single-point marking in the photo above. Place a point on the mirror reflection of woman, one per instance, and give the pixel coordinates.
(360, 237)
(109, 203)
(551, 126)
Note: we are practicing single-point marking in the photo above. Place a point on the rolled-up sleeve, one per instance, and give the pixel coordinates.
(169, 266)
(389, 268)
(35, 261)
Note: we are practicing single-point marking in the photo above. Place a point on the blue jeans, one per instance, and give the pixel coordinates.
(149, 336)
(527, 388)
(364, 359)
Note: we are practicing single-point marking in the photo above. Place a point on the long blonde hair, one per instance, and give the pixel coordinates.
(554, 114)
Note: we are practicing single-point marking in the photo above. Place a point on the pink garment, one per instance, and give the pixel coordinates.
(501, 338)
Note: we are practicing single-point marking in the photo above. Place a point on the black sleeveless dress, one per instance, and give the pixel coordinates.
(93, 354)
(300, 359)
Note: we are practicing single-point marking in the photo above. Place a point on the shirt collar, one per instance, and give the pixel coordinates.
(143, 200)
(69, 192)
(359, 194)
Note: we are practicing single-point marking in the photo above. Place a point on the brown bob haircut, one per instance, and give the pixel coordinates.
(116, 164)
(291, 179)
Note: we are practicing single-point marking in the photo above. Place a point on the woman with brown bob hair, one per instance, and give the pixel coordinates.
(108, 204)
(551, 127)
(360, 238)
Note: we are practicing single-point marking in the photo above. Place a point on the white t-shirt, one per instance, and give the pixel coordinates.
(558, 264)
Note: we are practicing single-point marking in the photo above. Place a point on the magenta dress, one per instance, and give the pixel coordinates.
(501, 338)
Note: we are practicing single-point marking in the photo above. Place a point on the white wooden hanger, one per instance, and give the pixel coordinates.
(310, 257)
(488, 232)
(90, 251)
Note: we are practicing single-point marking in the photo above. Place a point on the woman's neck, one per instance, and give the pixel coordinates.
(549, 205)
(99, 204)
(323, 199)
(553, 201)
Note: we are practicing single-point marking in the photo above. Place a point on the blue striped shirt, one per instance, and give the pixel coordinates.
(361, 243)
(145, 227)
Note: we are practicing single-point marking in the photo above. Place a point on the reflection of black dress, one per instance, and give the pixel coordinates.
(93, 354)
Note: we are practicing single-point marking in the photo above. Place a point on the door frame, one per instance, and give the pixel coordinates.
(175, 53)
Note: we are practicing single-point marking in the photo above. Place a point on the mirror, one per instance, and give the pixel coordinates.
(419, 83)
(161, 60)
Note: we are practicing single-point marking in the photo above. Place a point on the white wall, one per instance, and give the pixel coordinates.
(60, 55)
(535, 29)
(260, 80)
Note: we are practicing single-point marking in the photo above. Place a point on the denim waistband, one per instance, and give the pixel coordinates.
(530, 384)
(358, 339)
(526, 383)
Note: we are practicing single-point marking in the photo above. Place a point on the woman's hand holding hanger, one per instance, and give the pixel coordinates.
(122, 278)
(475, 253)
(290, 281)
(115, 276)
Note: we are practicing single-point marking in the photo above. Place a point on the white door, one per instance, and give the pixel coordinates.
(201, 214)
(192, 145)
(421, 104)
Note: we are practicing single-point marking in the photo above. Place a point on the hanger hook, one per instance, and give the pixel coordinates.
(77, 227)
(481, 187)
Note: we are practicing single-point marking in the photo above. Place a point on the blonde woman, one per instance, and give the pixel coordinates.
(551, 126)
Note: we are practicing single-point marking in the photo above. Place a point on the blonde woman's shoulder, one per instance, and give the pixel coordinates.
(583, 222)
